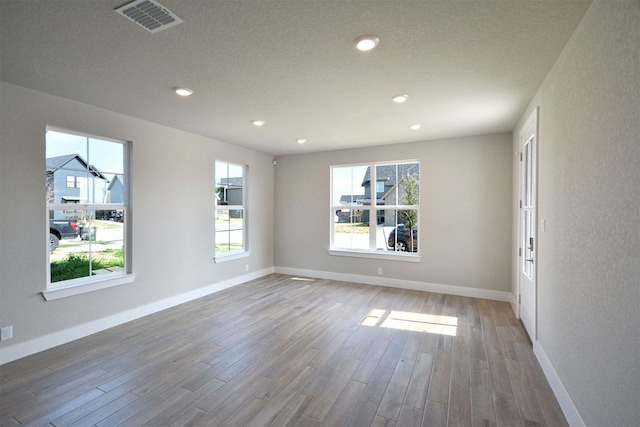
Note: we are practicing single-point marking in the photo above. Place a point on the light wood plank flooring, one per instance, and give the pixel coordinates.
(291, 351)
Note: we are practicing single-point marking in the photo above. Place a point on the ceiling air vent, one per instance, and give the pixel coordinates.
(149, 14)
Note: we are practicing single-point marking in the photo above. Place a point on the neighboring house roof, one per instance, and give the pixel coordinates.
(116, 178)
(56, 163)
(387, 173)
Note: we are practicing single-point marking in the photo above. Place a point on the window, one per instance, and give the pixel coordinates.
(89, 243)
(230, 228)
(377, 221)
(71, 181)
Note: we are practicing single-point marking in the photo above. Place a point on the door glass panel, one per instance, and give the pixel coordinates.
(528, 173)
(527, 259)
(528, 208)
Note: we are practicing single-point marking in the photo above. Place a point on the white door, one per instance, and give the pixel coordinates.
(528, 230)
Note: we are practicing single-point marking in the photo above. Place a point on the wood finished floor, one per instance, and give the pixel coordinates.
(280, 351)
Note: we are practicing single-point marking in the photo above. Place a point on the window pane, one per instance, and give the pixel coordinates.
(400, 184)
(105, 157)
(84, 170)
(350, 231)
(409, 184)
(386, 177)
(229, 224)
(348, 185)
(357, 191)
(60, 143)
(382, 235)
(350, 215)
(395, 226)
(229, 230)
(229, 184)
(84, 246)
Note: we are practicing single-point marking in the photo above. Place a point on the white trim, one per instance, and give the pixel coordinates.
(94, 285)
(513, 300)
(399, 283)
(224, 258)
(23, 349)
(372, 208)
(528, 130)
(396, 256)
(568, 408)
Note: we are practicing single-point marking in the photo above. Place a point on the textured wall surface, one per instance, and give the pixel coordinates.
(173, 208)
(589, 196)
(465, 224)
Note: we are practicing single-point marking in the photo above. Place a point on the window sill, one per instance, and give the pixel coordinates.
(69, 291)
(396, 256)
(224, 258)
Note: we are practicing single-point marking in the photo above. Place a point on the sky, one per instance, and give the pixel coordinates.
(347, 180)
(106, 156)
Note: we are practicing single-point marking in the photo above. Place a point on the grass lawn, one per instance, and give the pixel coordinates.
(77, 265)
(351, 227)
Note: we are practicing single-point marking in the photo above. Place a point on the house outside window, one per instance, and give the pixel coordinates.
(86, 244)
(230, 210)
(379, 220)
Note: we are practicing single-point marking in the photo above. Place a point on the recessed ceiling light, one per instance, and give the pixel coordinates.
(183, 91)
(399, 99)
(258, 122)
(415, 127)
(301, 140)
(366, 43)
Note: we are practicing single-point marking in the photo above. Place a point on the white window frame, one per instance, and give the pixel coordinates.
(372, 251)
(72, 181)
(219, 257)
(67, 288)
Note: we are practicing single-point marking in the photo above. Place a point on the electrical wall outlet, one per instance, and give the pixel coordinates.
(246, 267)
(379, 270)
(6, 333)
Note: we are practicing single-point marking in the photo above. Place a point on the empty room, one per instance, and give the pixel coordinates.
(189, 233)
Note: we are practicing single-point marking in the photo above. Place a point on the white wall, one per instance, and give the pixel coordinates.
(465, 229)
(173, 211)
(589, 196)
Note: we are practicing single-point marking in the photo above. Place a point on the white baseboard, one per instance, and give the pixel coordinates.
(514, 304)
(399, 283)
(23, 349)
(20, 350)
(568, 408)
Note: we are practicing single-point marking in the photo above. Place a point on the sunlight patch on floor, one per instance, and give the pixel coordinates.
(408, 321)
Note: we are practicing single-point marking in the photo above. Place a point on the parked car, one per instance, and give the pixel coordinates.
(62, 229)
(110, 216)
(400, 240)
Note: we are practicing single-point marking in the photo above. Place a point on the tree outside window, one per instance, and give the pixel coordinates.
(375, 207)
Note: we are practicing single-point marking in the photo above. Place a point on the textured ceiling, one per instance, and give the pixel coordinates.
(469, 67)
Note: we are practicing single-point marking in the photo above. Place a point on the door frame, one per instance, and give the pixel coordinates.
(529, 128)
